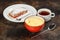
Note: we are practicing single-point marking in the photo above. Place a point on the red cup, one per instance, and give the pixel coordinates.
(36, 27)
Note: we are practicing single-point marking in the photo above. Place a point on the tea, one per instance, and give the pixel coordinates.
(44, 13)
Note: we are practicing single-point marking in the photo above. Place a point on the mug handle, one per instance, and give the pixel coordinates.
(52, 14)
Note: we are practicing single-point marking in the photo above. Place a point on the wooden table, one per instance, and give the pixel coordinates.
(16, 31)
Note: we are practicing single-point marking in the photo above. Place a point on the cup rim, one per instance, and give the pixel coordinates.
(44, 9)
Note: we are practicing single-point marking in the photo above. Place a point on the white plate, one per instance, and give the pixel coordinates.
(31, 11)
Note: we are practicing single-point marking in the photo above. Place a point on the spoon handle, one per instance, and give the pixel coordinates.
(22, 17)
(40, 33)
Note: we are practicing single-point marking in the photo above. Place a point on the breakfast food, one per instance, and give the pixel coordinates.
(17, 14)
(34, 23)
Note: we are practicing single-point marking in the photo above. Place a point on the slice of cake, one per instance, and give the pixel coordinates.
(17, 12)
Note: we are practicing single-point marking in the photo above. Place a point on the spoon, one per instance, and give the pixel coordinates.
(50, 28)
(22, 17)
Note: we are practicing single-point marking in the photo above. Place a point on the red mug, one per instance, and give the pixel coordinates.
(34, 23)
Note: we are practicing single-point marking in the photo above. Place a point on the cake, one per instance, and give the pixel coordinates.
(17, 12)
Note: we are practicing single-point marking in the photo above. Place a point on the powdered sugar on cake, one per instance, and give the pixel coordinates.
(17, 12)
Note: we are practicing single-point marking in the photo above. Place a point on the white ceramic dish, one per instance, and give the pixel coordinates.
(31, 11)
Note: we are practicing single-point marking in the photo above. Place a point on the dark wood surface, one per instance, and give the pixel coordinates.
(16, 31)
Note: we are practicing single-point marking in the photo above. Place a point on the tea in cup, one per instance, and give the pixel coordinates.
(46, 14)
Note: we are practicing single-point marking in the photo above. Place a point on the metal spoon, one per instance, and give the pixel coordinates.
(51, 27)
(22, 17)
